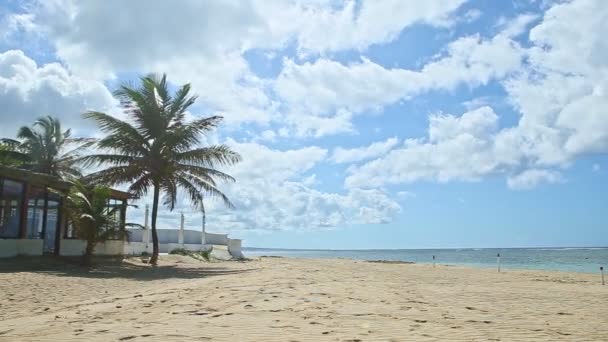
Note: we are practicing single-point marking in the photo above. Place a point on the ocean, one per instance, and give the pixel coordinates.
(587, 260)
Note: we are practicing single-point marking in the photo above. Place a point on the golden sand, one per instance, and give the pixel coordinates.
(277, 299)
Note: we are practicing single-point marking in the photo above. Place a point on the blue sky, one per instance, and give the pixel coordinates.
(363, 124)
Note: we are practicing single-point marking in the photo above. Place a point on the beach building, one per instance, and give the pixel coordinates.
(32, 217)
(33, 222)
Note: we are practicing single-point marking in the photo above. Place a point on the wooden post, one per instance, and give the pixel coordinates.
(123, 215)
(602, 271)
(24, 209)
(498, 261)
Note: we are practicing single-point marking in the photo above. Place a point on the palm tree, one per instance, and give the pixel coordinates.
(158, 149)
(41, 147)
(93, 220)
(10, 154)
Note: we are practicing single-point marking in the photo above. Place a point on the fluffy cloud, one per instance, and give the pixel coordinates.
(29, 91)
(351, 26)
(325, 89)
(457, 148)
(274, 192)
(560, 92)
(204, 42)
(531, 178)
(342, 155)
(563, 95)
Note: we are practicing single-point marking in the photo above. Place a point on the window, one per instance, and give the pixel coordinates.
(11, 195)
(35, 214)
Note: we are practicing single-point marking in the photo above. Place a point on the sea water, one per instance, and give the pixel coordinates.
(577, 259)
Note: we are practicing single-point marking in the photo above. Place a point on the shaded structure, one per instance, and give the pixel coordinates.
(32, 213)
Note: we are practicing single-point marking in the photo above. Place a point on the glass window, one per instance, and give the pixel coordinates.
(11, 194)
(35, 214)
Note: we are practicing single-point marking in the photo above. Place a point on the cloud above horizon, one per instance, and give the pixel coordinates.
(337, 107)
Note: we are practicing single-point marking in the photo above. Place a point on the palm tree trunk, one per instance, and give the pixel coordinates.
(88, 254)
(154, 259)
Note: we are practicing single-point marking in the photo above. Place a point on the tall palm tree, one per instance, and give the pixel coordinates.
(42, 149)
(158, 149)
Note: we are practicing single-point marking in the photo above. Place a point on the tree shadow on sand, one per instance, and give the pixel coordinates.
(114, 268)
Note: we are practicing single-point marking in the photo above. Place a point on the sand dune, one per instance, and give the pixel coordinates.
(275, 299)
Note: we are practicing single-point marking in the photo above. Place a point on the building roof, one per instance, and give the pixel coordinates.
(34, 178)
(44, 180)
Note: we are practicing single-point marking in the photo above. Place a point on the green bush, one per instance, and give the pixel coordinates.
(181, 251)
(205, 254)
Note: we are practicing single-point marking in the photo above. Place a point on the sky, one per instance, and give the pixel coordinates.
(362, 124)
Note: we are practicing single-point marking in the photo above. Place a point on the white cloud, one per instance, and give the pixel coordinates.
(203, 42)
(274, 192)
(342, 155)
(560, 92)
(324, 88)
(458, 148)
(562, 96)
(531, 178)
(29, 91)
(472, 15)
(372, 22)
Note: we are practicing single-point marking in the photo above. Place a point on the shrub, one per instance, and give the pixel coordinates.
(181, 251)
(205, 254)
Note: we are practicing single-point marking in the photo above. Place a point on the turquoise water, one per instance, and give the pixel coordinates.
(586, 260)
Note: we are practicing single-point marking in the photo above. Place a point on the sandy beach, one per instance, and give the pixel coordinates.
(279, 299)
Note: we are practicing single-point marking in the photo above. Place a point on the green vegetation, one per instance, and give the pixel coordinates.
(205, 255)
(40, 149)
(158, 149)
(155, 149)
(95, 222)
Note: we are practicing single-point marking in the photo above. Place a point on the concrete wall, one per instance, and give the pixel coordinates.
(136, 235)
(216, 239)
(8, 248)
(166, 235)
(74, 247)
(234, 247)
(13, 247)
(111, 247)
(137, 248)
(71, 247)
(193, 237)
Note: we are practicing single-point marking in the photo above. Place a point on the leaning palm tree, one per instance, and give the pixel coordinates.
(42, 148)
(156, 148)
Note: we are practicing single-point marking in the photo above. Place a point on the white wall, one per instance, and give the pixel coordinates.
(71, 247)
(234, 247)
(13, 247)
(74, 247)
(111, 247)
(216, 239)
(8, 248)
(137, 248)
